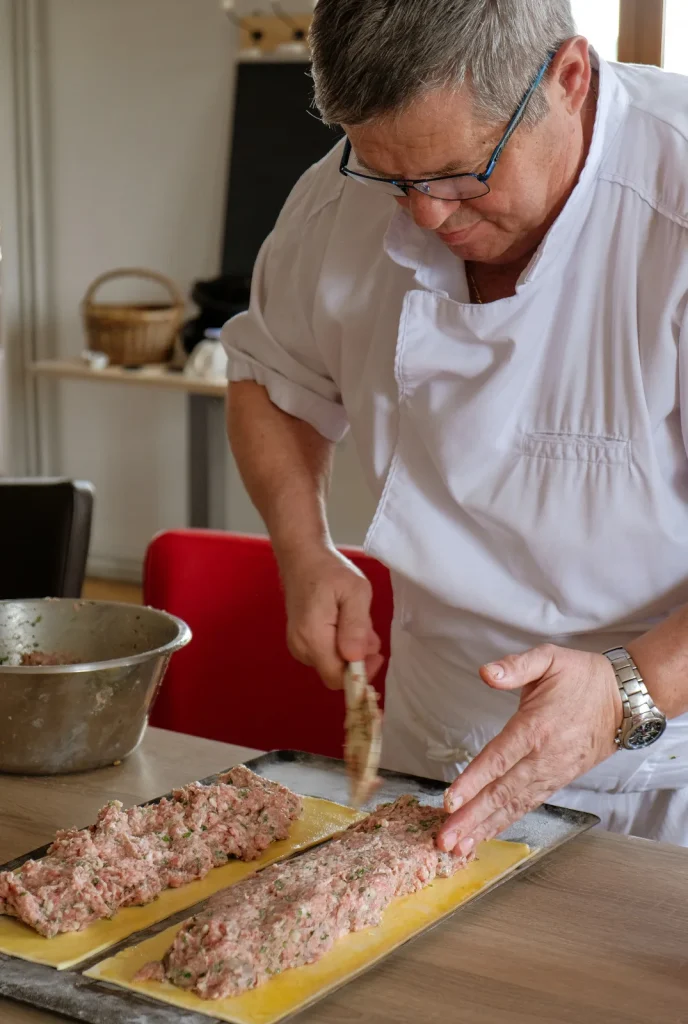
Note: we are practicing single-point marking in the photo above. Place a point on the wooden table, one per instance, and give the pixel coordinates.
(206, 425)
(597, 933)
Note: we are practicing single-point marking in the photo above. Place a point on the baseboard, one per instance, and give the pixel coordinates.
(113, 567)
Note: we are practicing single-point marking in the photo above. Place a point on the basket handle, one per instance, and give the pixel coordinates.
(151, 275)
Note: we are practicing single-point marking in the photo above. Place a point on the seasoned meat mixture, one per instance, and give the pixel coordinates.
(293, 913)
(130, 856)
(40, 658)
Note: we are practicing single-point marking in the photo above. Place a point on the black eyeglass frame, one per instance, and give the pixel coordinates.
(405, 185)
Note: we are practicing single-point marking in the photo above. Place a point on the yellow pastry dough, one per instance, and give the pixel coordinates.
(294, 990)
(320, 820)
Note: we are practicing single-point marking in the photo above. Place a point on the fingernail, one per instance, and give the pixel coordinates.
(496, 671)
(466, 846)
(448, 842)
(454, 803)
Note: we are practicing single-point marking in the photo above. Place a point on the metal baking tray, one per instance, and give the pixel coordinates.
(96, 1002)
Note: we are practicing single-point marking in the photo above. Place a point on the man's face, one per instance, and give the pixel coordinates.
(440, 135)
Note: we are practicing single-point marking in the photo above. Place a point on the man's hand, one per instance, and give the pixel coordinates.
(566, 724)
(328, 609)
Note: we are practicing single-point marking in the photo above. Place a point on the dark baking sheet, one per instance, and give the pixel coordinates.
(85, 999)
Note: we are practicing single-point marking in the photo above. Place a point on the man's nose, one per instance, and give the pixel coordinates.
(430, 213)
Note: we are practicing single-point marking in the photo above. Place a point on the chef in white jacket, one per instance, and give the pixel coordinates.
(487, 283)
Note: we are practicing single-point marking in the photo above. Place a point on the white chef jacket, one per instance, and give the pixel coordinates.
(529, 455)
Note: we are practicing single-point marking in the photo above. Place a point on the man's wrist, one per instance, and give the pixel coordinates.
(303, 536)
(298, 555)
(656, 674)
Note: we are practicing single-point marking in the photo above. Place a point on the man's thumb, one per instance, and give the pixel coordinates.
(518, 669)
(353, 628)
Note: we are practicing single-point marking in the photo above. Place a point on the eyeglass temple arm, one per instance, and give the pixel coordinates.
(511, 127)
(516, 119)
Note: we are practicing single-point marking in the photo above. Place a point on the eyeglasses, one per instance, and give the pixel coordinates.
(453, 187)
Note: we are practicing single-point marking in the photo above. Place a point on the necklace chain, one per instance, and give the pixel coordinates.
(476, 290)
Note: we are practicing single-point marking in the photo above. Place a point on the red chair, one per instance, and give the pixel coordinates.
(236, 681)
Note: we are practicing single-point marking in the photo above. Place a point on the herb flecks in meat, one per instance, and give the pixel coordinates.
(292, 914)
(128, 857)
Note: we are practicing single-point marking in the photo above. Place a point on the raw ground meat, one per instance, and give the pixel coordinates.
(293, 913)
(130, 856)
(39, 658)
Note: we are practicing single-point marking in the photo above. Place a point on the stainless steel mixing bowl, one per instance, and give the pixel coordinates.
(73, 717)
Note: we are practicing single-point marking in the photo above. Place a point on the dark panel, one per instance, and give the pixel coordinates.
(276, 137)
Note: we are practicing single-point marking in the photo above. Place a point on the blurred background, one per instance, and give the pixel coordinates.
(164, 135)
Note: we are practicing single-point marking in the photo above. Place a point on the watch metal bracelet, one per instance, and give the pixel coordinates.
(634, 694)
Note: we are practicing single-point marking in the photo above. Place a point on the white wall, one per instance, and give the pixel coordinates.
(137, 130)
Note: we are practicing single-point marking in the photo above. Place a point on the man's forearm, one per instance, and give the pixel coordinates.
(285, 465)
(662, 659)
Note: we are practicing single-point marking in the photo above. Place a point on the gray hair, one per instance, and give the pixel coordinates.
(373, 58)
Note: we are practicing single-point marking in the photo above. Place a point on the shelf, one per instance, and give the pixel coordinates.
(147, 376)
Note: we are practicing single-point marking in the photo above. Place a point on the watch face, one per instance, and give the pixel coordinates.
(645, 734)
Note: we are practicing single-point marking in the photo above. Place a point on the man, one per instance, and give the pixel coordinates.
(493, 295)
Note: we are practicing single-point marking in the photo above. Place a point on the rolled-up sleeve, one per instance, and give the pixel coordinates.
(273, 343)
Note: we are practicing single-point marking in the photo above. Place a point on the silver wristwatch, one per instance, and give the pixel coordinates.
(643, 723)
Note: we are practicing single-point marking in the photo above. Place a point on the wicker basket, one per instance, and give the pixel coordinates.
(133, 334)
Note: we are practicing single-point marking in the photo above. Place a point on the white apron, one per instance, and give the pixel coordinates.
(529, 455)
(508, 521)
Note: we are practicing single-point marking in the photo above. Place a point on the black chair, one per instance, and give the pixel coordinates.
(45, 532)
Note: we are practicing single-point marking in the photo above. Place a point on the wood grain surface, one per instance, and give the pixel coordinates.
(597, 933)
